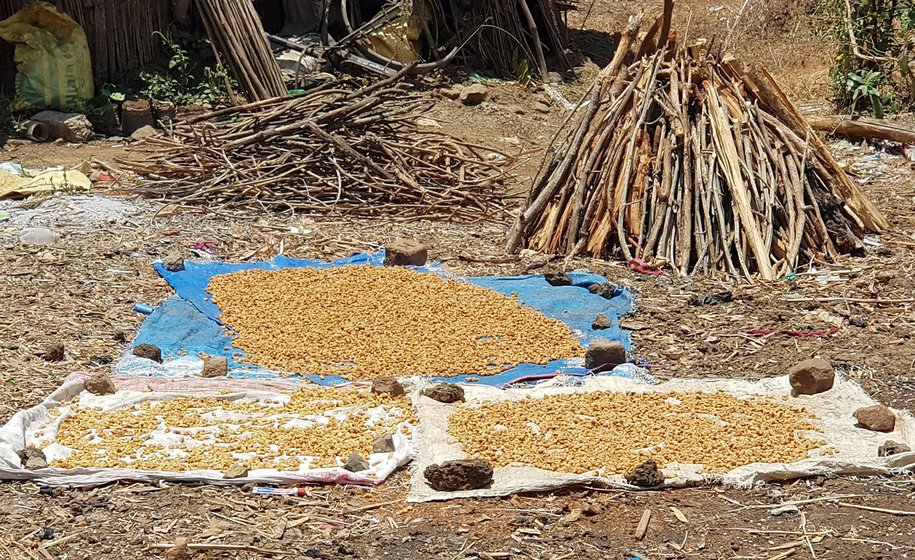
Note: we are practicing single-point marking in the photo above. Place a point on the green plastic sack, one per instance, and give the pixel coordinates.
(52, 59)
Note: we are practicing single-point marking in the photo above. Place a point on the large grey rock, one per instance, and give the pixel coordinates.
(356, 463)
(557, 279)
(474, 94)
(70, 127)
(33, 458)
(645, 475)
(454, 92)
(605, 290)
(890, 448)
(405, 252)
(601, 322)
(445, 392)
(143, 133)
(384, 444)
(101, 384)
(388, 386)
(215, 366)
(237, 470)
(174, 262)
(148, 351)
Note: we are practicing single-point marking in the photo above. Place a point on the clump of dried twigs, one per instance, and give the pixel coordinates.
(356, 152)
(697, 161)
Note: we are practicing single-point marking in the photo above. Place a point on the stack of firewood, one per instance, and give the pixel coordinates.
(698, 162)
(330, 150)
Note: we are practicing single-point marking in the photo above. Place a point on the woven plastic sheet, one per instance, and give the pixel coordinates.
(188, 323)
(855, 449)
(38, 425)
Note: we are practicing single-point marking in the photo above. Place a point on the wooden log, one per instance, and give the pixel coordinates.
(863, 128)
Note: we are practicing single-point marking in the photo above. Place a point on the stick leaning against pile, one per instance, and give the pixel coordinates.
(236, 30)
(330, 150)
(701, 163)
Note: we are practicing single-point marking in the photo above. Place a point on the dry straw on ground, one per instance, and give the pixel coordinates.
(363, 322)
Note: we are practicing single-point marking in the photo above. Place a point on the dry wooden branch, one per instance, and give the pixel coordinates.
(863, 128)
(642, 528)
(878, 509)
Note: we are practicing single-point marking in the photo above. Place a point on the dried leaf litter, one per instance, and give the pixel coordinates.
(362, 322)
(310, 428)
(614, 432)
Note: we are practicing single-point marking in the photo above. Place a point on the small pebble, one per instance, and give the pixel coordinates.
(783, 510)
(601, 322)
(54, 352)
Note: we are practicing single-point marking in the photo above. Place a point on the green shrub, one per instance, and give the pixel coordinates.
(872, 68)
(184, 82)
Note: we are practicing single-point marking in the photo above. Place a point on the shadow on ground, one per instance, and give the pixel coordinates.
(599, 46)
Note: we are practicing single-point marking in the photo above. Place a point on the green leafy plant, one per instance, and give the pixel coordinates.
(112, 93)
(183, 82)
(10, 123)
(872, 70)
(864, 84)
(522, 66)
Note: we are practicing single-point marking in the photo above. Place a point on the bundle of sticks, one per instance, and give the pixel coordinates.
(235, 29)
(512, 39)
(507, 33)
(330, 150)
(697, 162)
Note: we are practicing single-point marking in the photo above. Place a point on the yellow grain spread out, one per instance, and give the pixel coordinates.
(363, 322)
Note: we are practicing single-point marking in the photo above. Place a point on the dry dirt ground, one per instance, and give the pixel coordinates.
(81, 292)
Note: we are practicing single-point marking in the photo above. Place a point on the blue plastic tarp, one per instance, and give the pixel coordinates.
(188, 322)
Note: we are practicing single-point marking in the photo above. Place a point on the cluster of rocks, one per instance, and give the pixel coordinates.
(33, 458)
(138, 121)
(468, 95)
(601, 352)
(809, 377)
(213, 366)
(388, 386)
(475, 94)
(815, 376)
